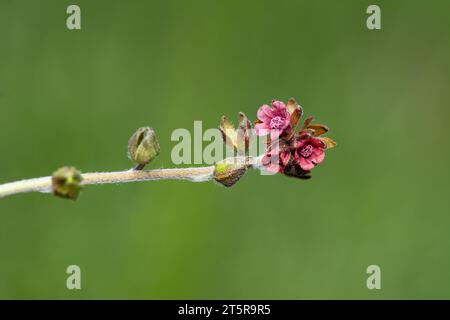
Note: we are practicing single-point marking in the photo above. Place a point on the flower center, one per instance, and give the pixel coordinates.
(306, 151)
(276, 123)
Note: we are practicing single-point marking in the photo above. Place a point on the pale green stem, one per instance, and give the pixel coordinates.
(44, 184)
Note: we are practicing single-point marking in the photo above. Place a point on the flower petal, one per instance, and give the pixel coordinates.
(273, 167)
(317, 156)
(261, 129)
(305, 164)
(264, 113)
(278, 105)
(274, 134)
(300, 143)
(270, 163)
(317, 143)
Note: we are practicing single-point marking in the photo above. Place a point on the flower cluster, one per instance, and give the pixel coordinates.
(289, 152)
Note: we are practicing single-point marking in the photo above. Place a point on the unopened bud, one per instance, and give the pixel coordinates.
(229, 171)
(143, 146)
(66, 183)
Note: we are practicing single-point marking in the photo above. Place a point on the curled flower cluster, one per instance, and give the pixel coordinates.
(289, 152)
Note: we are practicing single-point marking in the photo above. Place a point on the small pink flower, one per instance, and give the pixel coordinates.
(277, 157)
(271, 162)
(273, 120)
(309, 152)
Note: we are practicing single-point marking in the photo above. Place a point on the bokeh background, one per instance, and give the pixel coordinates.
(74, 97)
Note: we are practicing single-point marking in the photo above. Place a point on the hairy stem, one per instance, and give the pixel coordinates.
(198, 174)
(44, 184)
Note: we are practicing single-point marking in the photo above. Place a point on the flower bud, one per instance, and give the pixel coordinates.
(143, 146)
(227, 172)
(66, 182)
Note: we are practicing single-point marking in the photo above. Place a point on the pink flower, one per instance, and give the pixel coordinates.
(284, 162)
(270, 162)
(277, 156)
(309, 153)
(289, 152)
(273, 120)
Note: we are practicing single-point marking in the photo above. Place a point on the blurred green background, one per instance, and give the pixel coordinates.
(74, 98)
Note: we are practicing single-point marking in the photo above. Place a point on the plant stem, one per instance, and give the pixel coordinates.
(197, 174)
(44, 184)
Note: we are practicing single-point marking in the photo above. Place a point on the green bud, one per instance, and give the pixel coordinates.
(66, 183)
(143, 146)
(227, 172)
